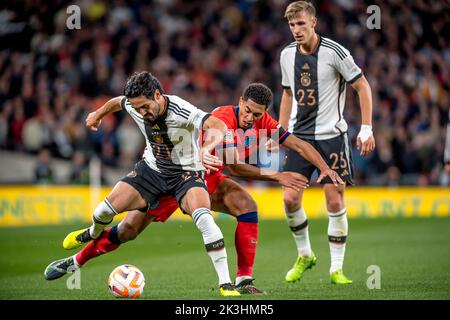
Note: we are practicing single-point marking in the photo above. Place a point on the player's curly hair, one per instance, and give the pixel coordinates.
(259, 93)
(142, 84)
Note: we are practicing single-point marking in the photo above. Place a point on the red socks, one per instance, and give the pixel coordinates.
(246, 238)
(99, 246)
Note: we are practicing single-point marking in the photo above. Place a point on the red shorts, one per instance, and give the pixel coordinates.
(167, 205)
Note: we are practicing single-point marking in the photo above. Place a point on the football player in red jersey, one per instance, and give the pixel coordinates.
(248, 124)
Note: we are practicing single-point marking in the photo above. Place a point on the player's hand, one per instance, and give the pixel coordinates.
(332, 175)
(92, 122)
(365, 147)
(272, 146)
(365, 142)
(210, 162)
(292, 180)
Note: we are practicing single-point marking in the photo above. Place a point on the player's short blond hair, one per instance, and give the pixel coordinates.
(299, 6)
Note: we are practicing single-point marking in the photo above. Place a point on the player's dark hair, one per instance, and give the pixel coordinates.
(142, 84)
(259, 93)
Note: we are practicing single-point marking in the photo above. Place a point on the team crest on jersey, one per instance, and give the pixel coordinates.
(158, 138)
(305, 79)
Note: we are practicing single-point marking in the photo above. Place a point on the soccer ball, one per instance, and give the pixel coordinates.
(126, 281)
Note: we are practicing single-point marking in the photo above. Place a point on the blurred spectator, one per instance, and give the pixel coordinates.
(79, 173)
(131, 142)
(447, 147)
(206, 52)
(43, 172)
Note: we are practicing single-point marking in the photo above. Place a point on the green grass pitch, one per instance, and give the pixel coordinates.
(413, 256)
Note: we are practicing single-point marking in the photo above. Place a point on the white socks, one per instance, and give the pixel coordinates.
(337, 235)
(298, 223)
(213, 240)
(103, 215)
(241, 278)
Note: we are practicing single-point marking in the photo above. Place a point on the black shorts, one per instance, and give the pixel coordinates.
(336, 152)
(152, 184)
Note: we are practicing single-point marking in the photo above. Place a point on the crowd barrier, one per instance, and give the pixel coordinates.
(44, 205)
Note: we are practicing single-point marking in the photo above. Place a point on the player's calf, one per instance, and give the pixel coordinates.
(127, 232)
(215, 246)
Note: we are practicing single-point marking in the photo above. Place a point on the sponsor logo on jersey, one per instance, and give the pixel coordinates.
(132, 174)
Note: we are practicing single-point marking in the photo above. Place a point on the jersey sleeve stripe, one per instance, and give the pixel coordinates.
(180, 114)
(335, 45)
(341, 56)
(181, 109)
(178, 109)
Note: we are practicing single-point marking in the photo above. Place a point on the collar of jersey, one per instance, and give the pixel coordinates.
(316, 49)
(236, 113)
(166, 106)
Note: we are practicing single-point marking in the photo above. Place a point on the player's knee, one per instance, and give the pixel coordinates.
(291, 202)
(127, 232)
(247, 204)
(334, 205)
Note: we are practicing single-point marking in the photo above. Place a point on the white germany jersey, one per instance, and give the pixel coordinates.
(318, 83)
(172, 139)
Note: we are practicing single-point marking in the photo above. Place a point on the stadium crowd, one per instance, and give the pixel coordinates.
(207, 52)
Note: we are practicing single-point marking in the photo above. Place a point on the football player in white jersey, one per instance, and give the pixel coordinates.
(172, 165)
(315, 71)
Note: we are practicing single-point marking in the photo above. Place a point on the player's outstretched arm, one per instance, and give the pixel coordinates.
(365, 141)
(214, 129)
(310, 154)
(94, 119)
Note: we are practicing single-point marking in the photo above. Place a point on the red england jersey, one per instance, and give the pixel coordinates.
(247, 141)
